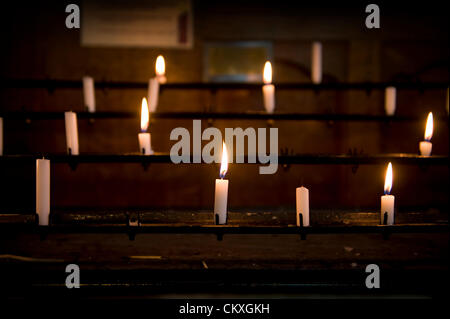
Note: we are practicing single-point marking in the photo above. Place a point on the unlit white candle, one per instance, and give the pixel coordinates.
(302, 204)
(316, 62)
(153, 94)
(1, 136)
(43, 190)
(89, 93)
(145, 143)
(71, 133)
(390, 100)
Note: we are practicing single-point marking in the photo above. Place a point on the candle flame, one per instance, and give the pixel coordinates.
(144, 115)
(388, 180)
(267, 76)
(429, 127)
(160, 65)
(224, 163)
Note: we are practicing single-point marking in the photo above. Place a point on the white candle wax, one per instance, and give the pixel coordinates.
(71, 133)
(390, 96)
(153, 94)
(425, 148)
(1, 136)
(302, 204)
(89, 93)
(220, 200)
(43, 190)
(269, 97)
(316, 62)
(161, 78)
(145, 145)
(387, 206)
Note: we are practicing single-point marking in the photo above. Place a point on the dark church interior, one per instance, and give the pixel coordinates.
(93, 205)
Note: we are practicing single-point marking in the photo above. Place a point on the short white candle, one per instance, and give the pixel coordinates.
(316, 62)
(160, 69)
(1, 136)
(426, 146)
(268, 88)
(89, 93)
(71, 133)
(302, 204)
(145, 145)
(153, 94)
(387, 200)
(221, 191)
(43, 190)
(390, 100)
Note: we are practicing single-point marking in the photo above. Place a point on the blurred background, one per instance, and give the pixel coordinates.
(411, 46)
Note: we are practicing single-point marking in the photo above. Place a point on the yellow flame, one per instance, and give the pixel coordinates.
(388, 179)
(160, 65)
(429, 127)
(144, 115)
(224, 163)
(267, 76)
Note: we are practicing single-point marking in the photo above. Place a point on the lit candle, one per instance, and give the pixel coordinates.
(145, 145)
(316, 62)
(390, 96)
(387, 200)
(43, 190)
(221, 194)
(153, 93)
(71, 133)
(1, 136)
(268, 88)
(160, 69)
(89, 93)
(302, 201)
(425, 146)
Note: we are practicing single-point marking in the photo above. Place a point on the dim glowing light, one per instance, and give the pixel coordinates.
(267, 76)
(429, 127)
(160, 65)
(144, 115)
(224, 163)
(388, 180)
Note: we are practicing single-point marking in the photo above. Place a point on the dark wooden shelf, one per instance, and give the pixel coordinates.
(24, 115)
(52, 84)
(310, 159)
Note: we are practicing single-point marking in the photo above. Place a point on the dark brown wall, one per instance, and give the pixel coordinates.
(412, 44)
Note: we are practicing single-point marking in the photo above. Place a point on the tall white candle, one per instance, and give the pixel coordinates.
(145, 145)
(43, 190)
(89, 93)
(302, 204)
(160, 69)
(268, 88)
(71, 133)
(153, 94)
(316, 62)
(387, 200)
(1, 136)
(426, 146)
(390, 100)
(221, 191)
